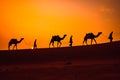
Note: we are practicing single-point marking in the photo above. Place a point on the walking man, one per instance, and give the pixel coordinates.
(71, 41)
(35, 44)
(110, 37)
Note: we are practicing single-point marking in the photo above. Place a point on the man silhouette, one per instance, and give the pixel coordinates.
(71, 41)
(110, 37)
(35, 45)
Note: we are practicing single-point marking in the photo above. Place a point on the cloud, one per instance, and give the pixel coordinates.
(105, 9)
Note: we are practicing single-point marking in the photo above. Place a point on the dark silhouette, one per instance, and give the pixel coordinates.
(58, 39)
(110, 37)
(35, 44)
(91, 36)
(15, 42)
(71, 41)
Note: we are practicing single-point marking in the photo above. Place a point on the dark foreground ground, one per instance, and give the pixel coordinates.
(95, 62)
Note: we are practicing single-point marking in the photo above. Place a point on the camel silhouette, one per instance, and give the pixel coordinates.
(57, 39)
(15, 42)
(91, 36)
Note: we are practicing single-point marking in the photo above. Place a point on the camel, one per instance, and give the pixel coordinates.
(15, 42)
(91, 36)
(57, 39)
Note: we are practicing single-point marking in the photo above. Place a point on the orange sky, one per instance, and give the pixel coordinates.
(40, 19)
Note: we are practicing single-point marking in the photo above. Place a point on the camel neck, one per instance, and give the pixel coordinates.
(19, 41)
(97, 35)
(62, 37)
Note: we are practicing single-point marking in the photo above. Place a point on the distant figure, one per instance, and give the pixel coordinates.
(15, 42)
(71, 41)
(91, 36)
(110, 37)
(35, 44)
(58, 39)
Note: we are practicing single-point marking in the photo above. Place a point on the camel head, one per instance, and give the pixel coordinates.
(20, 40)
(63, 36)
(99, 33)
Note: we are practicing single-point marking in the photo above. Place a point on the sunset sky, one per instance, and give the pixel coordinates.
(40, 19)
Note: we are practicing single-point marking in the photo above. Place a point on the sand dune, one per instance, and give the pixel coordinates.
(92, 62)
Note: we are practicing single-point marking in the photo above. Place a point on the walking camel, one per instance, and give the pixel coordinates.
(15, 42)
(91, 36)
(57, 39)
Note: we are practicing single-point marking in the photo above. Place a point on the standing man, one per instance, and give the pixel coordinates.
(35, 44)
(71, 41)
(110, 37)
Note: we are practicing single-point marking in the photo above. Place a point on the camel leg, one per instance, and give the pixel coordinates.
(83, 42)
(57, 44)
(14, 47)
(60, 44)
(49, 44)
(95, 41)
(53, 44)
(9, 47)
(91, 41)
(86, 42)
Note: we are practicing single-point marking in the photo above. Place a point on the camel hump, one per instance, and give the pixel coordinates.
(89, 33)
(13, 40)
(55, 36)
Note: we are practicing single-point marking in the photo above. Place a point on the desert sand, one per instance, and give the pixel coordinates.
(91, 62)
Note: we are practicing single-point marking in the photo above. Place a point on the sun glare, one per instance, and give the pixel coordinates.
(32, 48)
